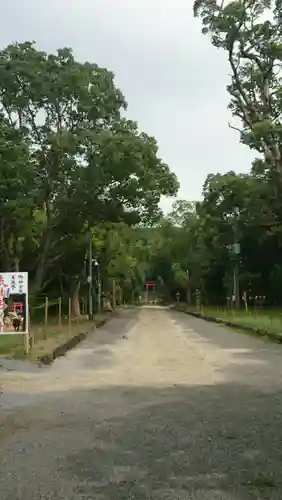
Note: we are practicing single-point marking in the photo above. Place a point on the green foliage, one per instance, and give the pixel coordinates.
(200, 240)
(69, 161)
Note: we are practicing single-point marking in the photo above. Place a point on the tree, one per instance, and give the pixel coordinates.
(182, 212)
(50, 100)
(250, 32)
(16, 194)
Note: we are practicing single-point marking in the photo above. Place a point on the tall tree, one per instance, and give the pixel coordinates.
(250, 32)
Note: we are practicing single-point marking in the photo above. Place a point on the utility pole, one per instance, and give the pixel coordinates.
(97, 267)
(90, 276)
(236, 257)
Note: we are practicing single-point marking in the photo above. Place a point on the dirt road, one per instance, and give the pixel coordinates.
(155, 405)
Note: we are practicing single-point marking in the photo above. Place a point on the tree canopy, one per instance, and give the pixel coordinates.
(72, 164)
(69, 160)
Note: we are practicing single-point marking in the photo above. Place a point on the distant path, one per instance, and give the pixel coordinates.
(155, 405)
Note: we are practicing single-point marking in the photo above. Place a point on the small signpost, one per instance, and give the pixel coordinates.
(14, 317)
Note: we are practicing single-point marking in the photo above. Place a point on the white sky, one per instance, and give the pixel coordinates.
(173, 79)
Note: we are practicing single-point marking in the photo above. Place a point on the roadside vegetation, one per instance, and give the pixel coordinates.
(46, 338)
(268, 321)
(265, 322)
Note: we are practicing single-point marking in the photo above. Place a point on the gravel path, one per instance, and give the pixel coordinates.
(155, 405)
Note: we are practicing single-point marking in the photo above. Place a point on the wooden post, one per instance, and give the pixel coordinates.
(245, 300)
(46, 311)
(31, 337)
(46, 318)
(198, 300)
(69, 314)
(31, 332)
(26, 343)
(60, 311)
(114, 295)
(82, 306)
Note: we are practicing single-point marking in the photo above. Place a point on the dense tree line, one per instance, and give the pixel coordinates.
(196, 247)
(249, 31)
(199, 238)
(244, 209)
(70, 161)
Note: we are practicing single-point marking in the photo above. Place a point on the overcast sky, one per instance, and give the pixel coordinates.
(173, 79)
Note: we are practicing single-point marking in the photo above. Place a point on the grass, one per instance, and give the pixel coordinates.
(46, 338)
(258, 320)
(267, 320)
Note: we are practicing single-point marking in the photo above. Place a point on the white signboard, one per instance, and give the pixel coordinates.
(15, 283)
(14, 303)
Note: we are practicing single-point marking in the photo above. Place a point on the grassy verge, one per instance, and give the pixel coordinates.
(268, 322)
(46, 338)
(258, 320)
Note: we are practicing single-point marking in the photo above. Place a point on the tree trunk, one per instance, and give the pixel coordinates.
(44, 249)
(75, 305)
(6, 258)
(17, 264)
(42, 261)
(188, 295)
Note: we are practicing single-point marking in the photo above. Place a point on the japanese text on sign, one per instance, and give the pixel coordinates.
(14, 283)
